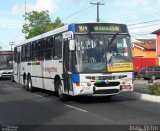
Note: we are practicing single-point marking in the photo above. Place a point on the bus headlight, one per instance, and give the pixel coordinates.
(83, 84)
(126, 81)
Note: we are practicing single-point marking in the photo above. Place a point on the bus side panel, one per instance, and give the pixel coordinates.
(52, 68)
(15, 72)
(36, 73)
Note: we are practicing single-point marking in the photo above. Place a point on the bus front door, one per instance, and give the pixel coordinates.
(66, 76)
(18, 67)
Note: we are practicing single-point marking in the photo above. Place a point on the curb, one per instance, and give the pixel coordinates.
(146, 97)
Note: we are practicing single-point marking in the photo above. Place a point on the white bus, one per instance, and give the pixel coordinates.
(77, 59)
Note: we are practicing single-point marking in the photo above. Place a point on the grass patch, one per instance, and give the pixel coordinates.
(154, 88)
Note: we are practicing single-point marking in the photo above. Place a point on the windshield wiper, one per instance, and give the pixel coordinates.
(113, 38)
(92, 37)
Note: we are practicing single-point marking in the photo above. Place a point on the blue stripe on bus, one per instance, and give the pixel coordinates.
(29, 63)
(75, 78)
(71, 27)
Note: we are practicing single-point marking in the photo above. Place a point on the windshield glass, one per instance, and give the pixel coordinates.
(95, 52)
(6, 62)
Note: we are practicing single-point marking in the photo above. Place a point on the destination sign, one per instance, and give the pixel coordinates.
(101, 27)
(107, 28)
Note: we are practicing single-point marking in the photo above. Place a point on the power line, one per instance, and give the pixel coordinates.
(138, 13)
(147, 14)
(79, 11)
(82, 14)
(145, 22)
(144, 26)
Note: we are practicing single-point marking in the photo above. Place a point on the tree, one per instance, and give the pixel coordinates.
(0, 47)
(56, 24)
(38, 23)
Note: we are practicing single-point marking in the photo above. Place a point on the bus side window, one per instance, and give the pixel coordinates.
(34, 55)
(28, 50)
(23, 54)
(42, 49)
(38, 50)
(57, 47)
(48, 51)
(15, 54)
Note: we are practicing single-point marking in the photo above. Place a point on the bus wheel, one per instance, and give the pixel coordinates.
(25, 82)
(29, 85)
(62, 96)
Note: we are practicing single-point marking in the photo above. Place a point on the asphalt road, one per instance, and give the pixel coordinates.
(20, 107)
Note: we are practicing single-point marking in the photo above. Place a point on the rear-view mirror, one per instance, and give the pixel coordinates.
(71, 45)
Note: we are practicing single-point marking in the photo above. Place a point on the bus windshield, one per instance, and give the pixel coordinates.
(94, 52)
(6, 62)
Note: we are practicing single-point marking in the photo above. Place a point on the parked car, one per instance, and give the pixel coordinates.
(150, 72)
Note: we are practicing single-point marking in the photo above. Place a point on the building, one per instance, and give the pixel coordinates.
(157, 32)
(144, 54)
(145, 48)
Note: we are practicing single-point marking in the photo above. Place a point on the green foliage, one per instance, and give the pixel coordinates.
(38, 23)
(154, 88)
(56, 24)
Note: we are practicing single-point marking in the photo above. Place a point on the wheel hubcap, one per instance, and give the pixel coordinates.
(29, 85)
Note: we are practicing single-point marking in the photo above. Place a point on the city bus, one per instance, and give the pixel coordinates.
(92, 59)
(6, 64)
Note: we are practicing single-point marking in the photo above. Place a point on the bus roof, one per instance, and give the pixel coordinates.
(81, 28)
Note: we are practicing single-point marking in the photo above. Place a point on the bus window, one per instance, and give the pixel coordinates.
(28, 50)
(34, 53)
(58, 47)
(49, 45)
(23, 53)
(38, 50)
(41, 49)
(15, 54)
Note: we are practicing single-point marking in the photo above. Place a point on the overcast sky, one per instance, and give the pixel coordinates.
(142, 16)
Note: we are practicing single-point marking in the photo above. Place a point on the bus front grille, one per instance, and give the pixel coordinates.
(103, 84)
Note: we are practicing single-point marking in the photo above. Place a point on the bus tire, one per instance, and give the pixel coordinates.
(29, 85)
(24, 81)
(61, 95)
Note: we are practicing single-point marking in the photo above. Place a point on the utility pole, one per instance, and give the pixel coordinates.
(98, 4)
(11, 44)
(25, 10)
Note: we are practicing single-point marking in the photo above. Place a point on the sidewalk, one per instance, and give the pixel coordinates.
(140, 86)
(141, 91)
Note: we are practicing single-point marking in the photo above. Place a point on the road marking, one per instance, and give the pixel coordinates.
(75, 108)
(38, 95)
(6, 85)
